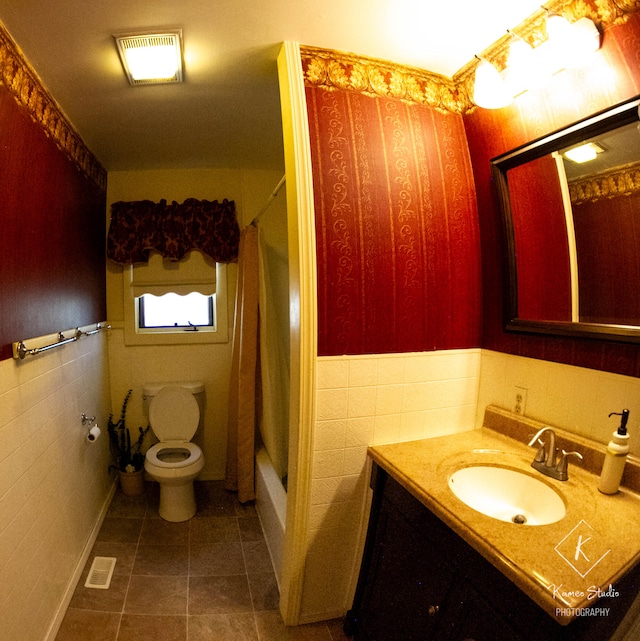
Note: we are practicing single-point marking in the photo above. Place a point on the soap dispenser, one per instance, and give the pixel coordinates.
(615, 457)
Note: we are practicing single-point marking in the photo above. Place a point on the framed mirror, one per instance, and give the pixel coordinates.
(570, 205)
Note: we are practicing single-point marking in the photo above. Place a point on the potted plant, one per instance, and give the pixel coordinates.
(128, 456)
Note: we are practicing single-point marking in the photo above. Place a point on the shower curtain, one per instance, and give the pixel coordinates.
(242, 390)
(273, 418)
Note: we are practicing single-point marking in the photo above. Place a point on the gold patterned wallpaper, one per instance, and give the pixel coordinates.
(335, 70)
(370, 76)
(620, 181)
(23, 83)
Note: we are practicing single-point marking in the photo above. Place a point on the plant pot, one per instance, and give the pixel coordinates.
(132, 483)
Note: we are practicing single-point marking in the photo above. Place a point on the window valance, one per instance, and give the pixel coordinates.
(173, 230)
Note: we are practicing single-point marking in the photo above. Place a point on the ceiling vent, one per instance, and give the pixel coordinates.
(151, 58)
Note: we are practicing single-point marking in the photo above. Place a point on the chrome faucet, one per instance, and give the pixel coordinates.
(546, 462)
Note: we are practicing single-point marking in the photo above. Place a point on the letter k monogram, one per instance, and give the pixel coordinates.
(579, 548)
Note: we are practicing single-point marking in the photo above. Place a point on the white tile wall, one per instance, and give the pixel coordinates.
(379, 399)
(53, 484)
(362, 401)
(574, 398)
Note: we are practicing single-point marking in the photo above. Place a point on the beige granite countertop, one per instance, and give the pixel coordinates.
(561, 566)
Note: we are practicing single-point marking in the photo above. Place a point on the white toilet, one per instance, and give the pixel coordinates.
(175, 413)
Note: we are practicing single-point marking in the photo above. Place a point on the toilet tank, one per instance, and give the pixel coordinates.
(149, 390)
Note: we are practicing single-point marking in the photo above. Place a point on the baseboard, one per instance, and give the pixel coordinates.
(75, 577)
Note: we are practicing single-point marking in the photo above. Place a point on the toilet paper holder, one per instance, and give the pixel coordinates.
(93, 431)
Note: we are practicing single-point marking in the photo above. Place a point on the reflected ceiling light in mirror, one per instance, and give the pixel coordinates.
(584, 153)
(151, 58)
(568, 45)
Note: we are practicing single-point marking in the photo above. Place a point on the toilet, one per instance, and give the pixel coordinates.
(175, 412)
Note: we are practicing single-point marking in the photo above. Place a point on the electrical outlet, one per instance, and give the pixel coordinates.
(520, 400)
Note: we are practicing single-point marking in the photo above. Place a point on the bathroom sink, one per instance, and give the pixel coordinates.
(507, 495)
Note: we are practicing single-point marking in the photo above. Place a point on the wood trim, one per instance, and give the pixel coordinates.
(303, 327)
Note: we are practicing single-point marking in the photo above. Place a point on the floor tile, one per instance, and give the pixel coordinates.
(128, 506)
(161, 532)
(213, 500)
(207, 579)
(136, 627)
(216, 559)
(219, 595)
(215, 529)
(336, 629)
(222, 627)
(271, 628)
(157, 595)
(264, 591)
(256, 556)
(110, 600)
(120, 530)
(162, 560)
(250, 529)
(87, 625)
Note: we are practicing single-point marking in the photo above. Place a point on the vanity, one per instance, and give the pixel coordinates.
(436, 568)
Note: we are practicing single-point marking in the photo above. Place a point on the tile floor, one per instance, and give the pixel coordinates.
(208, 579)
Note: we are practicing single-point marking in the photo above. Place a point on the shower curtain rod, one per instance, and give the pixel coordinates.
(269, 200)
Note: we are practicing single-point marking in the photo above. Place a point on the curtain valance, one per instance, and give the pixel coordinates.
(173, 230)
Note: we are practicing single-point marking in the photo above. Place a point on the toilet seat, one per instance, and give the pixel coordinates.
(172, 450)
(174, 414)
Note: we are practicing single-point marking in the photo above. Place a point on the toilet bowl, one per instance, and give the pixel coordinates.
(174, 462)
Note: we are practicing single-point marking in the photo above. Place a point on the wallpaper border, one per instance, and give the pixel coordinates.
(333, 70)
(25, 86)
(620, 181)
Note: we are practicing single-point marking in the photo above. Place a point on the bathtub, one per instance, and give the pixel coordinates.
(271, 505)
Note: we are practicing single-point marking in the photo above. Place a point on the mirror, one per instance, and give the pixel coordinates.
(572, 229)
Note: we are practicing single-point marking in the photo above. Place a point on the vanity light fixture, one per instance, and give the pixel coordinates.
(489, 88)
(151, 57)
(584, 153)
(567, 46)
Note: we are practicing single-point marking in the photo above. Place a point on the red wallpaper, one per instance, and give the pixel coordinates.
(612, 77)
(397, 226)
(607, 278)
(52, 241)
(544, 293)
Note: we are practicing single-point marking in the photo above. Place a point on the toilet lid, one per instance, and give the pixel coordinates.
(174, 414)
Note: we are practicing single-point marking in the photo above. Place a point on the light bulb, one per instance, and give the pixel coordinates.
(524, 69)
(489, 89)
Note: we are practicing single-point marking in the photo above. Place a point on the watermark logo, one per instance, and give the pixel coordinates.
(582, 549)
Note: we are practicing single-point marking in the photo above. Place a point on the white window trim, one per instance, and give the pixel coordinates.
(132, 336)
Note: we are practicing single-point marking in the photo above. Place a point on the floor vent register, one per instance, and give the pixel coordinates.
(100, 573)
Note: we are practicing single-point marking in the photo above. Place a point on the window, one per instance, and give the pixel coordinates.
(169, 302)
(170, 312)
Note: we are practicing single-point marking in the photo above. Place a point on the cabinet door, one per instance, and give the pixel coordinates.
(407, 583)
(472, 618)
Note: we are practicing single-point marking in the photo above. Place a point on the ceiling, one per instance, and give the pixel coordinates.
(227, 112)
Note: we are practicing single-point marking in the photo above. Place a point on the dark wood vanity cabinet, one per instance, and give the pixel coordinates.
(419, 581)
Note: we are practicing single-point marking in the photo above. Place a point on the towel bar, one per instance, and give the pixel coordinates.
(20, 350)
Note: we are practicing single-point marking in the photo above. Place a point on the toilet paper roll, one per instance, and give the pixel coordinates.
(94, 434)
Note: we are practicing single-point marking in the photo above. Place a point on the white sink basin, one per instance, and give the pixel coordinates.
(507, 495)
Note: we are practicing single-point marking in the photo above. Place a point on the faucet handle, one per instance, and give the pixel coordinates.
(563, 464)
